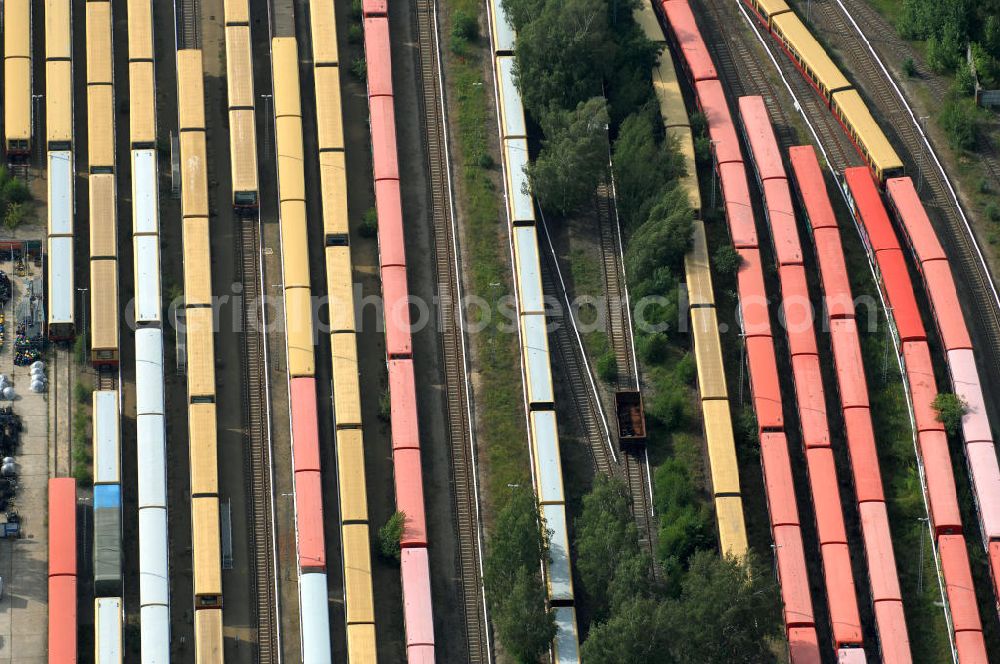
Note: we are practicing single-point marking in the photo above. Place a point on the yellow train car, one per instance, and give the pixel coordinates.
(361, 643)
(299, 332)
(243, 152)
(239, 67)
(206, 552)
(285, 71)
(351, 476)
(190, 90)
(58, 34)
(59, 104)
(857, 120)
(104, 337)
(237, 12)
(690, 180)
(697, 271)
(732, 526)
(346, 389)
(329, 125)
(340, 289)
(197, 262)
(100, 66)
(809, 55)
(323, 26)
(100, 128)
(358, 600)
(17, 28)
(708, 354)
(767, 10)
(721, 447)
(294, 245)
(140, 30)
(200, 354)
(142, 99)
(668, 94)
(208, 642)
(203, 449)
(291, 175)
(645, 16)
(103, 216)
(17, 76)
(194, 175)
(333, 186)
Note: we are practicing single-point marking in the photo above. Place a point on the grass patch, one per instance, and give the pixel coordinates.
(82, 451)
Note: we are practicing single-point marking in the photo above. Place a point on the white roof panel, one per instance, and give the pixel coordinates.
(503, 32)
(510, 99)
(154, 576)
(516, 156)
(145, 198)
(559, 571)
(566, 647)
(60, 193)
(108, 628)
(149, 371)
(151, 455)
(548, 465)
(537, 367)
(60, 304)
(315, 618)
(154, 630)
(529, 274)
(147, 278)
(107, 451)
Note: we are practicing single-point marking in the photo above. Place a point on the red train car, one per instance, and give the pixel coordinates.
(881, 558)
(913, 220)
(402, 389)
(793, 577)
(811, 187)
(803, 645)
(417, 614)
(781, 222)
(797, 310)
(965, 379)
(712, 103)
(830, 527)
(811, 401)
(849, 363)
(305, 423)
(845, 620)
(377, 56)
(396, 305)
(736, 199)
(778, 482)
(410, 496)
(923, 388)
(374, 7)
(864, 457)
(895, 283)
(837, 293)
(945, 307)
(876, 229)
(309, 520)
(63, 623)
(754, 315)
(686, 36)
(894, 640)
(958, 583)
(62, 526)
(942, 497)
(760, 138)
(389, 207)
(382, 114)
(764, 383)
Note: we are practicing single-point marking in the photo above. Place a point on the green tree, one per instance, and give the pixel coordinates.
(950, 409)
(389, 535)
(638, 633)
(727, 260)
(663, 239)
(573, 157)
(14, 216)
(525, 626)
(16, 191)
(643, 167)
(516, 542)
(959, 119)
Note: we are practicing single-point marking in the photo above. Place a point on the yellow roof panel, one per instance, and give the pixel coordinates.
(340, 289)
(668, 93)
(17, 28)
(17, 99)
(790, 28)
(142, 103)
(197, 262)
(58, 39)
(299, 332)
(104, 304)
(646, 18)
(732, 527)
(239, 63)
(329, 125)
(346, 392)
(697, 272)
(100, 68)
(285, 70)
(333, 182)
(867, 132)
(59, 101)
(721, 446)
(358, 600)
(708, 354)
(351, 475)
(690, 179)
(294, 245)
(291, 173)
(770, 7)
(208, 636)
(194, 175)
(203, 449)
(100, 126)
(361, 644)
(238, 11)
(140, 29)
(200, 352)
(205, 546)
(103, 216)
(243, 149)
(324, 33)
(190, 90)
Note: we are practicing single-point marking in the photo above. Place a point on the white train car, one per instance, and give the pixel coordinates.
(107, 437)
(314, 603)
(108, 630)
(536, 358)
(59, 268)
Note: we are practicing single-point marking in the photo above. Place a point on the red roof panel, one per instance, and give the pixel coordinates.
(894, 641)
(375, 7)
(712, 102)
(836, 286)
(803, 646)
(868, 207)
(753, 298)
(389, 208)
(898, 290)
(760, 136)
(309, 519)
(62, 619)
(736, 199)
(383, 129)
(781, 220)
(958, 583)
(811, 401)
(971, 648)
(913, 219)
(847, 359)
(864, 457)
(845, 620)
(764, 383)
(940, 480)
(878, 549)
(777, 469)
(418, 613)
(797, 311)
(793, 577)
(377, 57)
(947, 310)
(410, 496)
(396, 307)
(403, 399)
(826, 496)
(305, 433)
(923, 387)
(62, 526)
(994, 555)
(811, 187)
(687, 36)
(966, 383)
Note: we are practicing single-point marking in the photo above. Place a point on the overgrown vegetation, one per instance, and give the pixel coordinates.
(950, 409)
(389, 535)
(82, 454)
(14, 198)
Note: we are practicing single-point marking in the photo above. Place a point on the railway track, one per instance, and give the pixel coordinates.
(188, 28)
(465, 488)
(257, 459)
(107, 378)
(838, 30)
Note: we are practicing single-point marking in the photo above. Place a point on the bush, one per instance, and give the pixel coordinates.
(389, 535)
(686, 370)
(360, 69)
(654, 348)
(983, 186)
(965, 81)
(950, 409)
(16, 191)
(909, 68)
(15, 215)
(959, 119)
(464, 26)
(670, 407)
(992, 211)
(357, 9)
(607, 367)
(369, 224)
(385, 406)
(486, 161)
(81, 392)
(727, 261)
(355, 34)
(80, 349)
